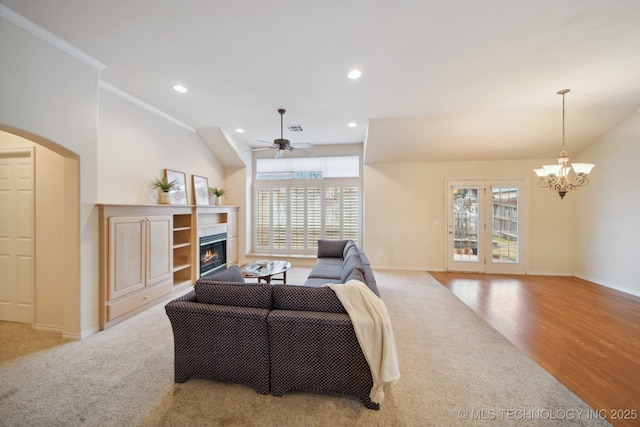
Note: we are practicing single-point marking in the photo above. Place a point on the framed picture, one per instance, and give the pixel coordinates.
(200, 190)
(178, 195)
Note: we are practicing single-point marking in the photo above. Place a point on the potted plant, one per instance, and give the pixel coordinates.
(218, 193)
(164, 185)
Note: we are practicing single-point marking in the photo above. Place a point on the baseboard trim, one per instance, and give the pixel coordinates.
(42, 327)
(80, 336)
(549, 273)
(615, 287)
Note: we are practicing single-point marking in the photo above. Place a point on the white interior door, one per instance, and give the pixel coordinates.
(16, 236)
(486, 226)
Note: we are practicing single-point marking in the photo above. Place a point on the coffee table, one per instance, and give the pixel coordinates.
(265, 270)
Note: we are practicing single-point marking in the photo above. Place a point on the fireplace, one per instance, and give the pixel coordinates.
(213, 253)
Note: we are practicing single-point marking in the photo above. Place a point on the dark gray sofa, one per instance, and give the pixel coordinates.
(276, 338)
(340, 261)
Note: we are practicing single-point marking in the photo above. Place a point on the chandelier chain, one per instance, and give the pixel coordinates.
(563, 122)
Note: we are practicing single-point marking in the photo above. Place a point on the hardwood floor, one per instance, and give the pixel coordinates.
(587, 336)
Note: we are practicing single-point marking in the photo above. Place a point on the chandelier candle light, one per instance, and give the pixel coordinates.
(556, 177)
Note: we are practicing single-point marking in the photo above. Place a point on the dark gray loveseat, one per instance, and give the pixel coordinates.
(275, 338)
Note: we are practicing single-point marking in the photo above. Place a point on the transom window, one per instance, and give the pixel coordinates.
(301, 200)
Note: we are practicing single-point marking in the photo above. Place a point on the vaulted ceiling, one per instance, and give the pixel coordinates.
(441, 79)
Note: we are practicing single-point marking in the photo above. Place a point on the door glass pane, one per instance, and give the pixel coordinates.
(465, 224)
(504, 220)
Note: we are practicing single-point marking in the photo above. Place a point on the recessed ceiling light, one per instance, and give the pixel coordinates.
(240, 130)
(180, 88)
(352, 124)
(354, 74)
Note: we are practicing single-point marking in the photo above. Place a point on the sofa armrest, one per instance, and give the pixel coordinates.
(225, 343)
(317, 352)
(188, 297)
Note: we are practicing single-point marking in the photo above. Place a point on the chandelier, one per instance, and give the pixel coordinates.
(556, 177)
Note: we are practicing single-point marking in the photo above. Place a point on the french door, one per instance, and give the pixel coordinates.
(486, 226)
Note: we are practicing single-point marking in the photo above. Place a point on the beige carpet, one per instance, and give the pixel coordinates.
(455, 370)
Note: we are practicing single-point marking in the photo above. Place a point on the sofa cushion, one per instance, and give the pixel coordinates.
(327, 268)
(331, 248)
(304, 298)
(356, 274)
(353, 250)
(350, 264)
(350, 244)
(237, 294)
(232, 274)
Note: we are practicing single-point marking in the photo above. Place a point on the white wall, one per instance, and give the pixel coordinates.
(405, 214)
(607, 216)
(109, 148)
(52, 96)
(134, 148)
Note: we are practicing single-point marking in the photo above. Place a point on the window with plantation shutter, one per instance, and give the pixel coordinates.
(263, 218)
(297, 203)
(350, 213)
(293, 213)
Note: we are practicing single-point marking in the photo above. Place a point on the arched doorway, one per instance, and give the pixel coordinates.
(55, 228)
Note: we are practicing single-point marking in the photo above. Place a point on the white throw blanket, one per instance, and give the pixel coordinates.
(372, 326)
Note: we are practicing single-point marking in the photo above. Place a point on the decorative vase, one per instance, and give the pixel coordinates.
(218, 201)
(163, 198)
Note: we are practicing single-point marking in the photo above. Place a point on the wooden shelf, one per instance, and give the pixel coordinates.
(183, 250)
(180, 267)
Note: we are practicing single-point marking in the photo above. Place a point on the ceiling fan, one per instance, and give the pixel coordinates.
(282, 144)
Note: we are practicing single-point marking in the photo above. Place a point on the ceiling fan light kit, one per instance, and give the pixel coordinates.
(281, 144)
(556, 177)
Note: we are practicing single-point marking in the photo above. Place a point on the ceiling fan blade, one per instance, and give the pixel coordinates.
(260, 149)
(279, 154)
(266, 142)
(302, 145)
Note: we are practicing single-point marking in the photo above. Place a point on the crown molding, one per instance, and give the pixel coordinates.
(65, 46)
(49, 37)
(140, 103)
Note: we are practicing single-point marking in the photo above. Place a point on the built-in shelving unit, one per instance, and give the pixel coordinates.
(147, 252)
(183, 250)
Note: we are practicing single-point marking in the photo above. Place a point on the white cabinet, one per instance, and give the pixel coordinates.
(140, 253)
(145, 254)
(140, 262)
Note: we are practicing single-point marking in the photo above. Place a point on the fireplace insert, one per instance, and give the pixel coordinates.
(213, 253)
